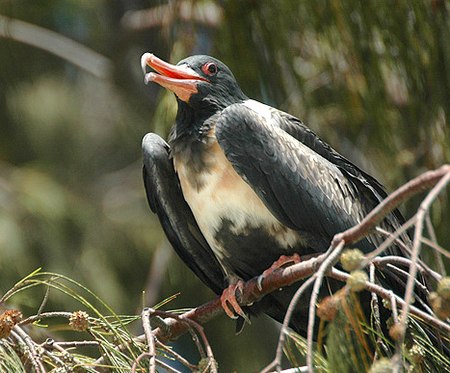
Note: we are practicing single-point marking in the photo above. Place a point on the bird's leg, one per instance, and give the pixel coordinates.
(282, 261)
(229, 302)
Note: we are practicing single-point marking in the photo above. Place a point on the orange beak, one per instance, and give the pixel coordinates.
(181, 80)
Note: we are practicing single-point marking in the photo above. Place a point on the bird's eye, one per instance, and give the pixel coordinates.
(210, 68)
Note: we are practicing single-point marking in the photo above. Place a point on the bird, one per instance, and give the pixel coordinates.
(240, 187)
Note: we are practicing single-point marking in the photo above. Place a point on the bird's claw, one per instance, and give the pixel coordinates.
(282, 261)
(229, 302)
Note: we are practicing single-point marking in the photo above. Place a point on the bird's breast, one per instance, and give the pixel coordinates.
(228, 212)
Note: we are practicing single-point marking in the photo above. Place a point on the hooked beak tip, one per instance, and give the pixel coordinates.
(144, 61)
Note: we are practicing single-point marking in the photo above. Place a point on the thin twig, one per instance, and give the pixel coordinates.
(51, 344)
(167, 367)
(334, 253)
(393, 306)
(68, 344)
(198, 344)
(176, 356)
(396, 271)
(56, 359)
(44, 300)
(393, 259)
(388, 294)
(145, 315)
(198, 328)
(33, 354)
(291, 310)
(57, 44)
(393, 237)
(276, 363)
(376, 309)
(437, 248)
(437, 252)
(45, 315)
(421, 213)
(138, 360)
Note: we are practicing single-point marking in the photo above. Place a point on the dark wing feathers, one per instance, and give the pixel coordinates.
(364, 183)
(297, 129)
(361, 185)
(166, 199)
(293, 172)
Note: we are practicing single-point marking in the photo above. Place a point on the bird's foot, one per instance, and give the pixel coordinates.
(281, 262)
(229, 302)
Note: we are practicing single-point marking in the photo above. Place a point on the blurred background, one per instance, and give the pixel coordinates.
(371, 78)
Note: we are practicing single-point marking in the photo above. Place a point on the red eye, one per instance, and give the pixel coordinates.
(210, 68)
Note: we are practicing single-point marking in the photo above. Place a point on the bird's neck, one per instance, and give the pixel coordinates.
(191, 127)
(191, 140)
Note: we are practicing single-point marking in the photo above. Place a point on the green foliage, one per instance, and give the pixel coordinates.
(351, 343)
(346, 338)
(9, 359)
(90, 338)
(295, 350)
(105, 330)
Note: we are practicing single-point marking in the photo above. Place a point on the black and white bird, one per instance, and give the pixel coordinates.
(240, 184)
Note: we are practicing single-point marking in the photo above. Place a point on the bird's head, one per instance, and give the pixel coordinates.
(202, 82)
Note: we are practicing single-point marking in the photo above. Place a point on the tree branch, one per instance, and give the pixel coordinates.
(252, 292)
(57, 44)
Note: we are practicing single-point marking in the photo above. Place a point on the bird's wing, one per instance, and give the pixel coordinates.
(368, 187)
(166, 200)
(301, 187)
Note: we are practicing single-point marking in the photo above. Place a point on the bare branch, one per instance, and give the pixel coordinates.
(391, 297)
(57, 44)
(251, 293)
(145, 316)
(212, 365)
(176, 356)
(203, 13)
(334, 253)
(439, 251)
(421, 214)
(437, 248)
(45, 315)
(393, 237)
(392, 259)
(376, 309)
(276, 363)
(167, 367)
(50, 343)
(19, 334)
